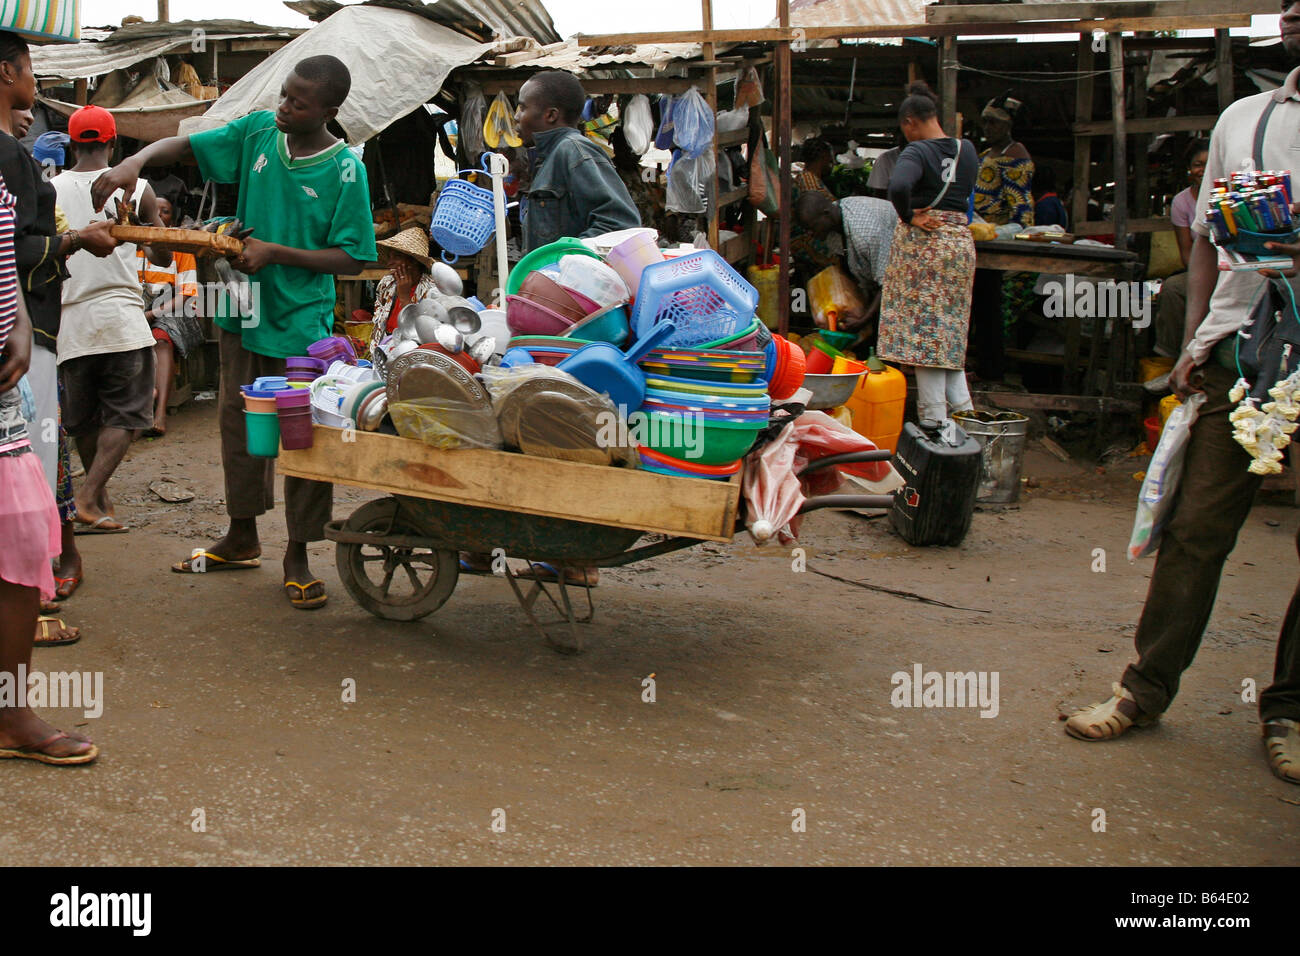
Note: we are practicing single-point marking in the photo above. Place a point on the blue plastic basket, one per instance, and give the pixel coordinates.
(700, 293)
(463, 220)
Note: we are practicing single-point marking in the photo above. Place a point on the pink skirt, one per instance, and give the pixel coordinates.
(30, 533)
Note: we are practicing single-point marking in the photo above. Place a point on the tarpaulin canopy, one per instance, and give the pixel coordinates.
(398, 60)
(42, 19)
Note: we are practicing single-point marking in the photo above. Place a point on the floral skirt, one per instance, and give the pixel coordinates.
(925, 307)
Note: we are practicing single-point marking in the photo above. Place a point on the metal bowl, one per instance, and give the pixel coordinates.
(831, 391)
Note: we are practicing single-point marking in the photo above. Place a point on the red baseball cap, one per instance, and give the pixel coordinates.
(91, 124)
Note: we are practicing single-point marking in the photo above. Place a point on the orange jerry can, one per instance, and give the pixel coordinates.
(877, 403)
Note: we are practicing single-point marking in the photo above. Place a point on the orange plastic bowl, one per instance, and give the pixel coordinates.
(791, 366)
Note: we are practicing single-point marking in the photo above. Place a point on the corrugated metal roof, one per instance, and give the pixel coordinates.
(867, 13)
(120, 49)
(481, 19)
(576, 59)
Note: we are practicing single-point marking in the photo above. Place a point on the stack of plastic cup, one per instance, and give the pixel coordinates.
(293, 407)
(261, 420)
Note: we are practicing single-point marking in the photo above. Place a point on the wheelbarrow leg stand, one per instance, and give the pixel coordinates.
(563, 607)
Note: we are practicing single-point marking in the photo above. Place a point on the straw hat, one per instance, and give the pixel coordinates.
(410, 242)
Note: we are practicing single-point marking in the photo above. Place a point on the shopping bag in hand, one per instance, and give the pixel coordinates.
(1160, 486)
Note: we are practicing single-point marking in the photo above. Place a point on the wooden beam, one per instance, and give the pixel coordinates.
(1223, 68)
(1143, 225)
(948, 85)
(1019, 13)
(783, 68)
(1083, 90)
(1062, 403)
(1152, 124)
(629, 86)
(904, 30)
(1142, 141)
(711, 97)
(1119, 118)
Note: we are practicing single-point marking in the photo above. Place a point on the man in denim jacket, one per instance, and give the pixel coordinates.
(575, 189)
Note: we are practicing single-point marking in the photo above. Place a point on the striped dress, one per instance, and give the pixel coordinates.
(8, 265)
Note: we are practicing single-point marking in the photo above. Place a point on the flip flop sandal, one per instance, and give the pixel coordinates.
(37, 752)
(214, 562)
(1282, 738)
(47, 631)
(50, 607)
(59, 593)
(302, 602)
(97, 526)
(467, 568)
(1105, 721)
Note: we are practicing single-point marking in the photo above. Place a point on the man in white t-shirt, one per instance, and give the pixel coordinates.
(105, 347)
(1216, 490)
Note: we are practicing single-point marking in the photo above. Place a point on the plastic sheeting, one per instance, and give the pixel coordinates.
(389, 79)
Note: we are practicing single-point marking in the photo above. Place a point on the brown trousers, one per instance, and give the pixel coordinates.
(1214, 498)
(250, 481)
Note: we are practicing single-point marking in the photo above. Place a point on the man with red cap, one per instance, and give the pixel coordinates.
(105, 348)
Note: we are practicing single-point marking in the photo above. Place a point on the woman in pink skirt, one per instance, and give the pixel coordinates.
(29, 532)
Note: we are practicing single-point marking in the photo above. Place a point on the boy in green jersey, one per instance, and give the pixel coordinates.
(307, 200)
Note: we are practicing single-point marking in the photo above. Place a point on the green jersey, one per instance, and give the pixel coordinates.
(315, 202)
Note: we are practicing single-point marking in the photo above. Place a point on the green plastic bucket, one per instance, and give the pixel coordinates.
(263, 432)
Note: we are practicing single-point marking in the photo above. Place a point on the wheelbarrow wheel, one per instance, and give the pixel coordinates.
(391, 582)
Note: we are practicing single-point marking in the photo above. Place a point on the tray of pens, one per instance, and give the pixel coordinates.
(1249, 209)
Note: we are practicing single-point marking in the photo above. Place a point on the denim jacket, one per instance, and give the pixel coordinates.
(575, 191)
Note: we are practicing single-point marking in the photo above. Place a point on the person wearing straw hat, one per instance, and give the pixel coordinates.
(408, 279)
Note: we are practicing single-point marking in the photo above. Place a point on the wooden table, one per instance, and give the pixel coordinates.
(1094, 262)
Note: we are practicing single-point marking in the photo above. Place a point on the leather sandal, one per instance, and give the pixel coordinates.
(1282, 738)
(1105, 721)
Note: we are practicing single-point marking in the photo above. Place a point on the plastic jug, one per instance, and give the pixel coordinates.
(877, 403)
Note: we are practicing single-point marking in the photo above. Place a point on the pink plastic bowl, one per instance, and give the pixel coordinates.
(528, 318)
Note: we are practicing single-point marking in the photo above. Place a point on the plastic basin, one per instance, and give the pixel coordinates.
(715, 442)
(526, 317)
(544, 256)
(606, 325)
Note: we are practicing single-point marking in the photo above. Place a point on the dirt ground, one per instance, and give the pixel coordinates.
(772, 696)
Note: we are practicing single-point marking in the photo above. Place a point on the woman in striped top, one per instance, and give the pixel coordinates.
(29, 527)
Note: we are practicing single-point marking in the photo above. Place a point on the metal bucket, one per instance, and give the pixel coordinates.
(1002, 437)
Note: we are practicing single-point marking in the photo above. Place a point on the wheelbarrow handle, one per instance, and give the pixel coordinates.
(846, 501)
(848, 458)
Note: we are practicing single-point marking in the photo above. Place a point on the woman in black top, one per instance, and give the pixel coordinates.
(40, 252)
(925, 306)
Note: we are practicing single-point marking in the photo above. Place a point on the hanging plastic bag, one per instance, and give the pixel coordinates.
(694, 123)
(1160, 486)
(764, 179)
(749, 91)
(472, 115)
(638, 124)
(499, 127)
(690, 184)
(664, 138)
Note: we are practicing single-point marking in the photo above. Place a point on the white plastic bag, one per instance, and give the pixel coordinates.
(690, 184)
(638, 124)
(472, 115)
(1160, 486)
(693, 123)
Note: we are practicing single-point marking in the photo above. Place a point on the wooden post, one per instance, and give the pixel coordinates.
(1121, 138)
(948, 85)
(163, 13)
(711, 97)
(79, 92)
(1223, 68)
(782, 64)
(1083, 90)
(1141, 143)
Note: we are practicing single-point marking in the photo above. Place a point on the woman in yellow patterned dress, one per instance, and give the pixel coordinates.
(1003, 194)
